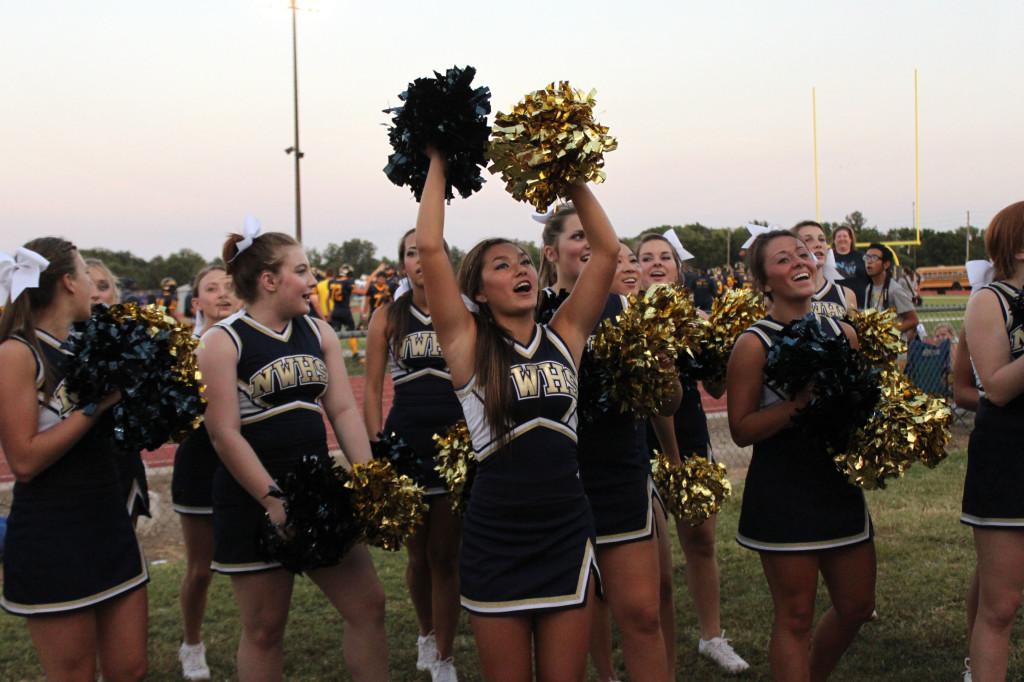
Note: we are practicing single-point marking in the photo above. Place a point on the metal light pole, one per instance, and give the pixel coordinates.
(296, 149)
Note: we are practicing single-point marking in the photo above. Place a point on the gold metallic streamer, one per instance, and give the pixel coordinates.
(548, 142)
(389, 506)
(455, 463)
(731, 314)
(908, 426)
(879, 338)
(694, 490)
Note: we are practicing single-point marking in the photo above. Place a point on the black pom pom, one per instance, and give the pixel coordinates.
(445, 112)
(844, 386)
(321, 525)
(404, 460)
(150, 359)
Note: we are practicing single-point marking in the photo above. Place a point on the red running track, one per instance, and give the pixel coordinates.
(164, 456)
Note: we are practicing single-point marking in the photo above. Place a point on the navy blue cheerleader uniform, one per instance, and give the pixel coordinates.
(70, 543)
(424, 402)
(281, 378)
(195, 463)
(131, 474)
(830, 301)
(795, 500)
(995, 452)
(615, 466)
(528, 533)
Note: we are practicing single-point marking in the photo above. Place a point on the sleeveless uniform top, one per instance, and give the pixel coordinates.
(795, 499)
(424, 402)
(419, 371)
(830, 301)
(528, 532)
(70, 543)
(281, 379)
(995, 452)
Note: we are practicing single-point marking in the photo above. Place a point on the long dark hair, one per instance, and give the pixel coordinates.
(493, 359)
(17, 318)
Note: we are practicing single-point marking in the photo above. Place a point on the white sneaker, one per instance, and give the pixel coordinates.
(443, 671)
(426, 652)
(967, 672)
(718, 650)
(193, 661)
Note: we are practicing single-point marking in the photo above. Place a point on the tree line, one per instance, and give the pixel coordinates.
(711, 247)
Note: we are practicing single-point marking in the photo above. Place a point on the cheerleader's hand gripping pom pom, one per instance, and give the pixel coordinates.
(388, 505)
(547, 143)
(731, 314)
(390, 447)
(447, 113)
(148, 357)
(694, 490)
(907, 426)
(456, 464)
(879, 338)
(844, 388)
(320, 526)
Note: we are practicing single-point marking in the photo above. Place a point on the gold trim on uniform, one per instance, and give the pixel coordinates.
(643, 532)
(831, 543)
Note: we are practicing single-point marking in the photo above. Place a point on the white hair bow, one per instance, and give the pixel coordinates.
(542, 218)
(250, 231)
(980, 273)
(20, 272)
(673, 239)
(830, 270)
(470, 304)
(755, 232)
(403, 287)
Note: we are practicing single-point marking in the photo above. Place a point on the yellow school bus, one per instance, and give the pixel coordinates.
(939, 279)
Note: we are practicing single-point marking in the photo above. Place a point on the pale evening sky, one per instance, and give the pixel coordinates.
(152, 126)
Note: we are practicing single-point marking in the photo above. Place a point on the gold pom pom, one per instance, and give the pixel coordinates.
(880, 339)
(692, 491)
(630, 350)
(549, 142)
(731, 314)
(389, 506)
(455, 463)
(908, 425)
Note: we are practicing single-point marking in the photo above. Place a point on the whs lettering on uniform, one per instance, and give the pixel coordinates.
(828, 309)
(287, 372)
(421, 345)
(531, 380)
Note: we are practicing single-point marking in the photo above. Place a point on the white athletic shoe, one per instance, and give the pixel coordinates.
(443, 671)
(718, 650)
(967, 671)
(426, 652)
(193, 662)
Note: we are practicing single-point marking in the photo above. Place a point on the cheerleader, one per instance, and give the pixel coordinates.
(72, 564)
(687, 435)
(616, 473)
(272, 373)
(130, 469)
(799, 513)
(402, 335)
(195, 462)
(994, 330)
(527, 557)
(830, 298)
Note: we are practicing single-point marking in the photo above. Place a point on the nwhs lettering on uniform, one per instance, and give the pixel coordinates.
(828, 309)
(60, 402)
(287, 372)
(421, 345)
(553, 378)
(1017, 340)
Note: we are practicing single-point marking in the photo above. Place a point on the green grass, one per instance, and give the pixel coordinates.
(925, 558)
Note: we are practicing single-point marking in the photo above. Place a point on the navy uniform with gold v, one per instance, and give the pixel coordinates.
(830, 301)
(995, 453)
(195, 463)
(70, 542)
(615, 466)
(281, 378)
(528, 533)
(424, 401)
(795, 500)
